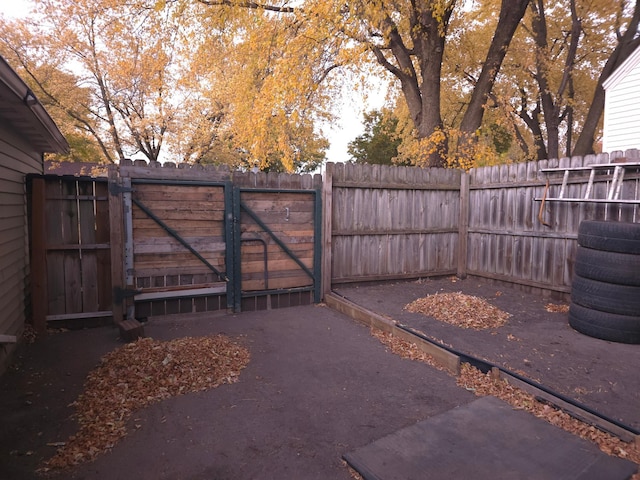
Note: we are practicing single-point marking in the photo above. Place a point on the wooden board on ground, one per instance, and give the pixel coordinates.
(443, 357)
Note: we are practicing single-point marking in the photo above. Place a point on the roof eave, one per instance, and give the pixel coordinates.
(34, 111)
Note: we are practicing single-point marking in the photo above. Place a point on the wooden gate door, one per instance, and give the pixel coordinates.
(70, 251)
(277, 236)
(175, 248)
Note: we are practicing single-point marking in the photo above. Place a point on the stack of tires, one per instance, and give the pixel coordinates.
(605, 296)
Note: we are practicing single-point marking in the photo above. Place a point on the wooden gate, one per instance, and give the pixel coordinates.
(70, 251)
(205, 240)
(278, 239)
(176, 245)
(157, 241)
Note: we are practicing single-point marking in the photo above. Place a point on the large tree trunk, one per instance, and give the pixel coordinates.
(431, 53)
(549, 105)
(626, 46)
(511, 12)
(420, 90)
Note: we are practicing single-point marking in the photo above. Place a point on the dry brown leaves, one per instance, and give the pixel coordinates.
(138, 374)
(556, 308)
(481, 384)
(465, 311)
(473, 379)
(404, 349)
(29, 334)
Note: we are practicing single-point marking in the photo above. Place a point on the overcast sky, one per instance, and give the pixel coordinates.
(15, 8)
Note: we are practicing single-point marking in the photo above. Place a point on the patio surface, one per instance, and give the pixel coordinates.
(317, 387)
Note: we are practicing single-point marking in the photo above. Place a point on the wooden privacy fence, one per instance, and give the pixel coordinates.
(391, 222)
(153, 240)
(507, 238)
(70, 249)
(400, 222)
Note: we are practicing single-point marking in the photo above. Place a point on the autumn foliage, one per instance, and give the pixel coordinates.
(244, 83)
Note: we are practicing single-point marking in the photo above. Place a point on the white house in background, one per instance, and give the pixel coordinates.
(622, 106)
(26, 133)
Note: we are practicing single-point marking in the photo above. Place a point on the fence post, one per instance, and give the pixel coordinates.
(327, 208)
(39, 287)
(463, 225)
(116, 243)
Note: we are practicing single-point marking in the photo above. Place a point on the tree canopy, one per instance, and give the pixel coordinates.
(379, 142)
(238, 82)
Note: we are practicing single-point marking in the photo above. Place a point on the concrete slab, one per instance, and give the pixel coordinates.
(485, 439)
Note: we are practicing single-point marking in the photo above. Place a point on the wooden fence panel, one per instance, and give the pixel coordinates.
(71, 251)
(380, 222)
(193, 202)
(506, 237)
(290, 218)
(164, 217)
(393, 222)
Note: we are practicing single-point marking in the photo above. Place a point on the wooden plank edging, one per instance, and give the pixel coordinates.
(451, 362)
(442, 357)
(572, 410)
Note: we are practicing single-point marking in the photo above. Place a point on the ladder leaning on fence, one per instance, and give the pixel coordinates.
(613, 172)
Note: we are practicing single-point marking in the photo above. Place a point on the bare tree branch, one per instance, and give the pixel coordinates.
(251, 5)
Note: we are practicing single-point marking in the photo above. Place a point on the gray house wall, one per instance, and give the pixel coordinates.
(17, 159)
(26, 132)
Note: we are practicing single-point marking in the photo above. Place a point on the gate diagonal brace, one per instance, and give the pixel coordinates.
(275, 238)
(177, 236)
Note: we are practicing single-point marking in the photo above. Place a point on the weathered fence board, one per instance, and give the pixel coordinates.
(398, 222)
(506, 239)
(267, 217)
(393, 222)
(70, 221)
(192, 245)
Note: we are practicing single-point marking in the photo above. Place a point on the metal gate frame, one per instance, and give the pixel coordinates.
(233, 208)
(315, 273)
(128, 201)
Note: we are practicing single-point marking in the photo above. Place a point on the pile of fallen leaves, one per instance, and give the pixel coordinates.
(29, 334)
(465, 311)
(482, 384)
(556, 308)
(404, 349)
(138, 374)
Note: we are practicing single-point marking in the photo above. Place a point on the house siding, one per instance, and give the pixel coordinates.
(17, 159)
(622, 110)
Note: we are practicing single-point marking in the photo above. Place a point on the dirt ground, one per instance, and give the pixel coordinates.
(536, 343)
(318, 386)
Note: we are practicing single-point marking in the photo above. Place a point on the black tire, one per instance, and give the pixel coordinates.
(606, 297)
(609, 267)
(618, 237)
(603, 325)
